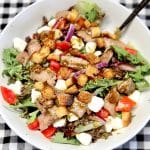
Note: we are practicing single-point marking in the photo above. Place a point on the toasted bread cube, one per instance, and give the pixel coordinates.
(72, 90)
(91, 71)
(44, 52)
(37, 58)
(53, 56)
(48, 92)
(39, 86)
(82, 79)
(95, 32)
(84, 96)
(100, 42)
(64, 99)
(69, 82)
(126, 118)
(72, 16)
(61, 111)
(108, 73)
(87, 23)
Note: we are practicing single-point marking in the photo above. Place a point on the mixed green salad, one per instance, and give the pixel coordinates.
(73, 82)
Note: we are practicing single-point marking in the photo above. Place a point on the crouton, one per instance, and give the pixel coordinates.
(64, 72)
(53, 56)
(69, 82)
(126, 118)
(109, 35)
(91, 71)
(108, 73)
(48, 92)
(38, 86)
(49, 43)
(87, 24)
(44, 52)
(84, 97)
(82, 79)
(61, 111)
(92, 58)
(37, 58)
(100, 42)
(72, 90)
(64, 99)
(95, 32)
(72, 16)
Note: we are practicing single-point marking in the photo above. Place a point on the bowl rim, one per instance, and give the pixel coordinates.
(8, 122)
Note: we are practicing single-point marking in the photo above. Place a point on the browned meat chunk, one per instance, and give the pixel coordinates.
(106, 56)
(85, 36)
(33, 46)
(64, 99)
(111, 42)
(22, 57)
(84, 97)
(126, 87)
(110, 107)
(113, 96)
(44, 76)
(108, 73)
(73, 62)
(78, 108)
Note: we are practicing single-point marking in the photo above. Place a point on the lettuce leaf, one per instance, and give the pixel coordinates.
(14, 69)
(59, 138)
(123, 55)
(100, 86)
(89, 10)
(33, 116)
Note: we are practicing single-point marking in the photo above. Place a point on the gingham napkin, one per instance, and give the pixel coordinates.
(8, 139)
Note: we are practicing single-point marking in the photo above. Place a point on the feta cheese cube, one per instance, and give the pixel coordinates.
(97, 53)
(96, 104)
(84, 138)
(61, 84)
(58, 52)
(113, 123)
(60, 123)
(135, 96)
(77, 43)
(58, 34)
(72, 117)
(90, 47)
(35, 95)
(16, 87)
(42, 29)
(19, 44)
(51, 22)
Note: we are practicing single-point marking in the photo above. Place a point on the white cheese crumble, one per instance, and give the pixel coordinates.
(35, 95)
(60, 123)
(84, 138)
(61, 84)
(19, 44)
(77, 43)
(90, 47)
(42, 29)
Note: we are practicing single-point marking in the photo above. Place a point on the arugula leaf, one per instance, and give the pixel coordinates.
(138, 77)
(89, 10)
(59, 138)
(25, 103)
(83, 51)
(14, 69)
(100, 85)
(33, 116)
(9, 56)
(123, 55)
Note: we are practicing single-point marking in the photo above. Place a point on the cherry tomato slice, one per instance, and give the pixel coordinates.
(8, 95)
(54, 65)
(50, 131)
(103, 113)
(34, 125)
(64, 45)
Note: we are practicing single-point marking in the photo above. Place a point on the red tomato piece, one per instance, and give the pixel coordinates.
(54, 65)
(34, 125)
(131, 51)
(8, 95)
(103, 113)
(125, 104)
(64, 45)
(50, 131)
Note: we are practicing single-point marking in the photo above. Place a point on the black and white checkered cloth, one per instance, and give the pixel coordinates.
(8, 139)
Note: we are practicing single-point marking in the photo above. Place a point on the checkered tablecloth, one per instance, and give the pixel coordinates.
(8, 139)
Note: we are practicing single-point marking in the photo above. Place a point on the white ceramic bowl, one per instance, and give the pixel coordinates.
(28, 21)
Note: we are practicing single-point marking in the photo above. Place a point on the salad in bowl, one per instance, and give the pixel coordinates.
(71, 81)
